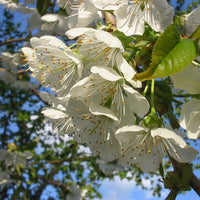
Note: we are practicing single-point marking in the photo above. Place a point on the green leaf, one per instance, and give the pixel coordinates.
(170, 55)
(42, 6)
(32, 173)
(184, 184)
(195, 34)
(161, 170)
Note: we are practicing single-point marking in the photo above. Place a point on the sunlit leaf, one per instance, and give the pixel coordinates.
(170, 55)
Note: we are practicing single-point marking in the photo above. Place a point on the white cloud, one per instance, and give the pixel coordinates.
(127, 190)
(117, 189)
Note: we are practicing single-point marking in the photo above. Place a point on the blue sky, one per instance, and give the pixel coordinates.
(127, 190)
(124, 189)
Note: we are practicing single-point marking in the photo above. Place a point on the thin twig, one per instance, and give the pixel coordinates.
(35, 92)
(13, 40)
(51, 181)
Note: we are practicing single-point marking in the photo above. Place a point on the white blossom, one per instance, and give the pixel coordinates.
(191, 83)
(190, 118)
(146, 148)
(81, 13)
(95, 125)
(105, 87)
(100, 48)
(56, 113)
(9, 4)
(131, 17)
(54, 24)
(53, 63)
(9, 74)
(192, 21)
(188, 80)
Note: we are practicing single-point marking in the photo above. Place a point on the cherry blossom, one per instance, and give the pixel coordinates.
(53, 63)
(146, 148)
(105, 87)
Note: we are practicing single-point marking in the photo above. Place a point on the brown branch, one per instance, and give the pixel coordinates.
(51, 181)
(13, 40)
(194, 183)
(35, 92)
(172, 195)
(21, 71)
(84, 158)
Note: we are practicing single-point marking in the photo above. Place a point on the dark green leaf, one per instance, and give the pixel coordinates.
(42, 6)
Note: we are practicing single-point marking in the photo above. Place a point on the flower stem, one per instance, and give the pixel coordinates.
(146, 89)
(73, 45)
(153, 111)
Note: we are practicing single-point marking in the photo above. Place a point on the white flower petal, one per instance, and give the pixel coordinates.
(137, 102)
(53, 113)
(109, 4)
(136, 147)
(130, 19)
(191, 82)
(106, 73)
(193, 126)
(192, 21)
(94, 130)
(103, 36)
(189, 118)
(124, 67)
(101, 110)
(158, 14)
(175, 145)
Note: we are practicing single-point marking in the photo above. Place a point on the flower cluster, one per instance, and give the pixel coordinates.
(98, 102)
(96, 98)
